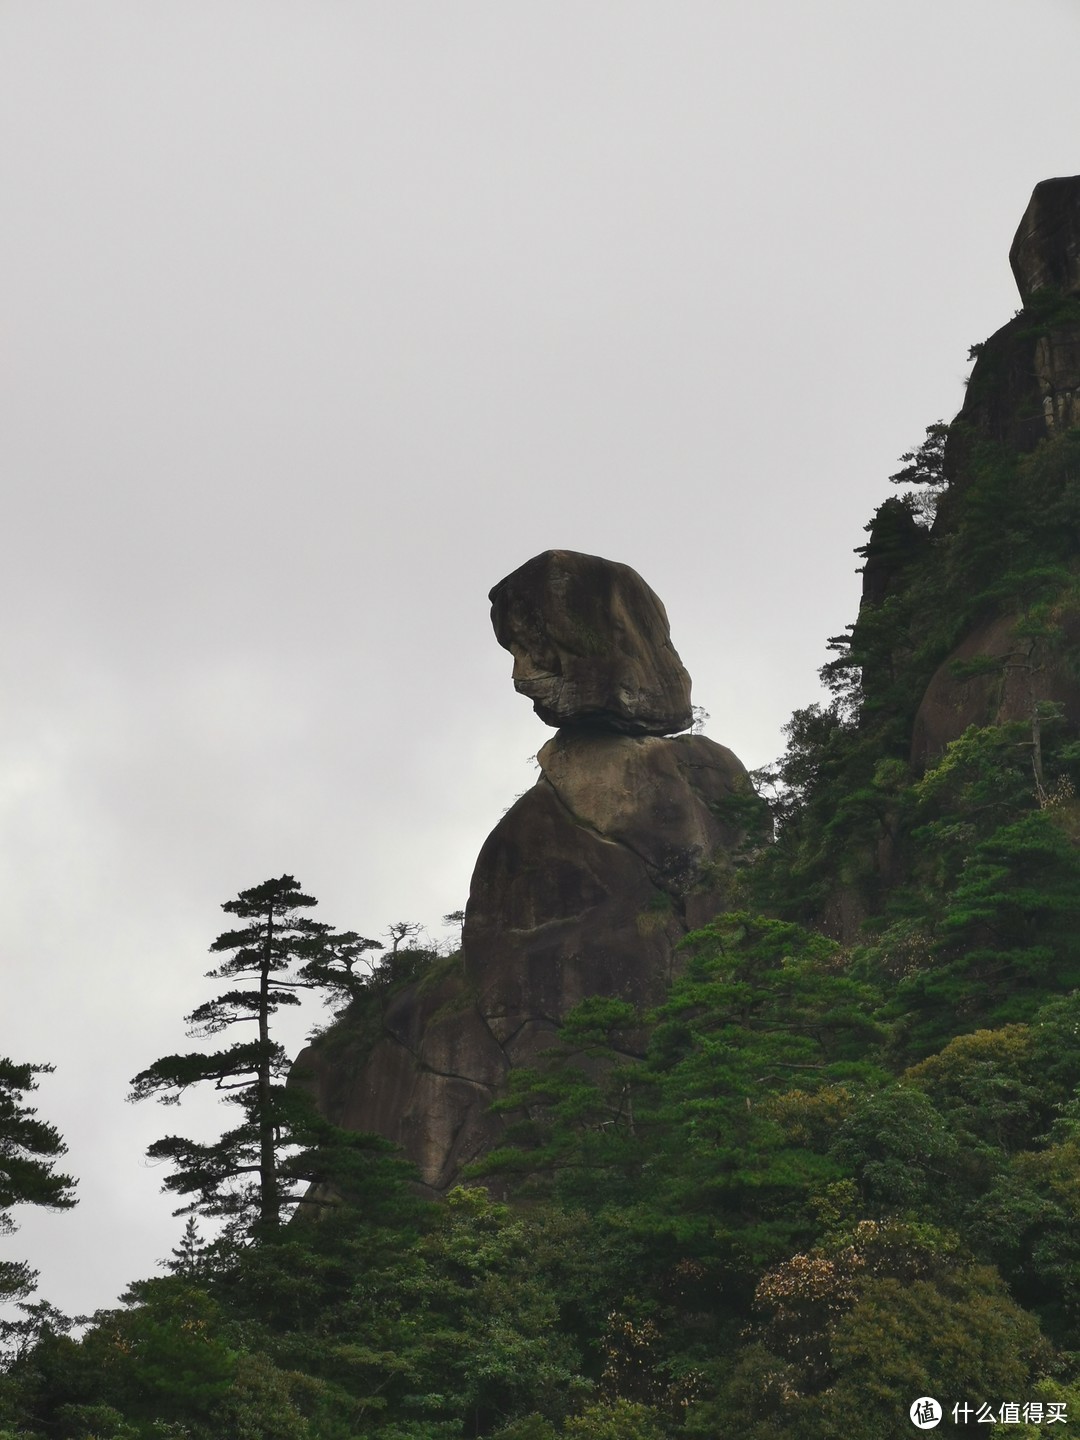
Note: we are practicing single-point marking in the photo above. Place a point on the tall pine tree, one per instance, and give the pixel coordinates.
(28, 1151)
(244, 1174)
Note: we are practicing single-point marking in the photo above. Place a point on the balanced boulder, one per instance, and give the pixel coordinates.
(584, 888)
(591, 645)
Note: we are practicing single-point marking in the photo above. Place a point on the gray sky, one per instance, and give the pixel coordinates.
(319, 318)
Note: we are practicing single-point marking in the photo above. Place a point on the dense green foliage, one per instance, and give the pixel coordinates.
(837, 1168)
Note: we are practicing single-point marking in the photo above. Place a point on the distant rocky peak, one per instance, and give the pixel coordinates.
(1045, 252)
(591, 645)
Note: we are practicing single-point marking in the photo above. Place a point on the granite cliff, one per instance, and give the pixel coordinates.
(970, 614)
(1023, 392)
(584, 887)
(970, 620)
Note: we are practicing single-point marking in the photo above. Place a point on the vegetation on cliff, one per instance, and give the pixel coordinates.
(836, 1168)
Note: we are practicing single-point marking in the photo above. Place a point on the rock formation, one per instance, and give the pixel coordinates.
(970, 613)
(1025, 383)
(1045, 252)
(586, 885)
(997, 674)
(1024, 388)
(592, 878)
(591, 645)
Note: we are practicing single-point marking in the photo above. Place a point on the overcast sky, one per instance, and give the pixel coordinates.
(320, 317)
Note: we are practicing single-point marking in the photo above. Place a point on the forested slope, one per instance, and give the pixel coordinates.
(834, 1169)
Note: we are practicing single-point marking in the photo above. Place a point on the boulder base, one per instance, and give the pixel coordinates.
(585, 887)
(589, 882)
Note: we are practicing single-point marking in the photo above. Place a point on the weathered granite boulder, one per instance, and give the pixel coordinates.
(585, 886)
(589, 882)
(424, 1079)
(1045, 252)
(591, 645)
(663, 799)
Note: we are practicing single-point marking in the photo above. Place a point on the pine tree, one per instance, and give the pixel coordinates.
(189, 1259)
(28, 1151)
(243, 1174)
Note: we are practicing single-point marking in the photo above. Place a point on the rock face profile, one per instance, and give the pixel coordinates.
(586, 885)
(1025, 384)
(591, 645)
(1045, 253)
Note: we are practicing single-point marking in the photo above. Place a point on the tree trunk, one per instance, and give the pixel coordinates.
(269, 1204)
